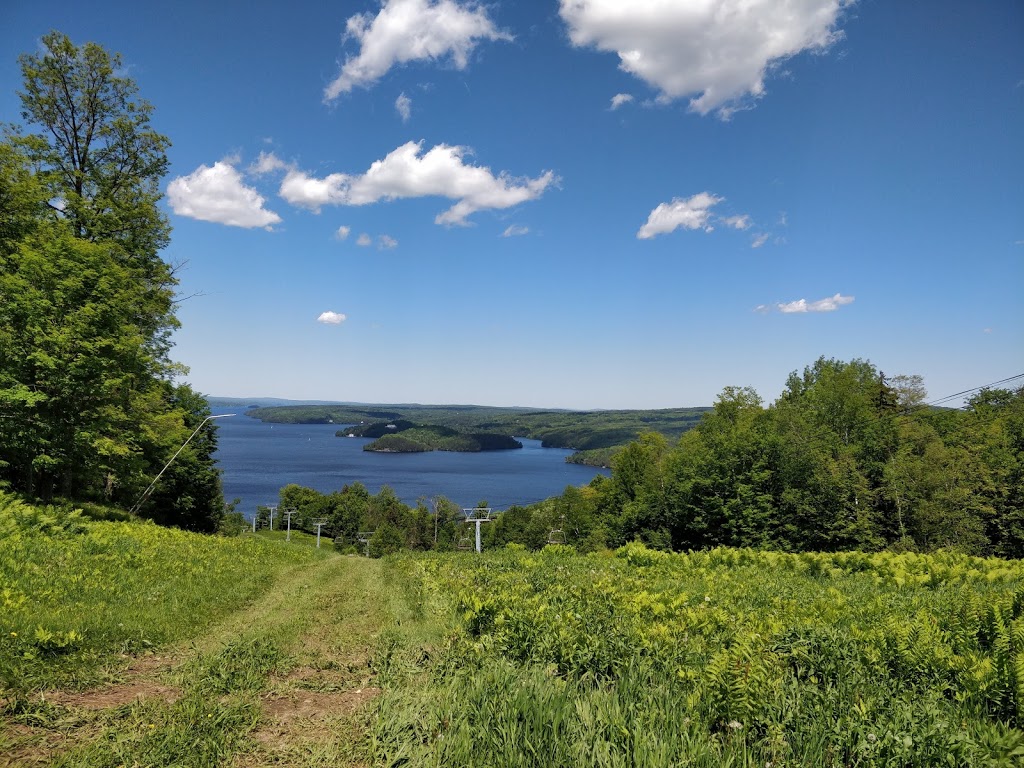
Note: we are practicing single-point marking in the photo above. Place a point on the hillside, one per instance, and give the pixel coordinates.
(401, 436)
(576, 430)
(161, 648)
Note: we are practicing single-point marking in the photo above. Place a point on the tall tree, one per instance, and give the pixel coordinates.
(88, 403)
(95, 150)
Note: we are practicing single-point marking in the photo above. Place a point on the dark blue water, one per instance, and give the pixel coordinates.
(257, 459)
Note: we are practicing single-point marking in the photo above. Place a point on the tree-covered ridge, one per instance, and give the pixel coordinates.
(90, 405)
(577, 430)
(844, 459)
(401, 436)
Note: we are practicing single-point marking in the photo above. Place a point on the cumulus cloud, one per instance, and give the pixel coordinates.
(403, 105)
(331, 318)
(741, 221)
(691, 213)
(830, 304)
(515, 230)
(386, 241)
(364, 240)
(621, 98)
(342, 232)
(411, 30)
(267, 162)
(408, 172)
(718, 52)
(218, 194)
(759, 240)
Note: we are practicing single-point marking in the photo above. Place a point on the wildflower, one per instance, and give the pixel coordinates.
(735, 724)
(872, 738)
(14, 634)
(707, 598)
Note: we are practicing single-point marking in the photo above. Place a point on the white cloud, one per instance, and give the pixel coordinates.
(267, 162)
(716, 51)
(342, 232)
(759, 240)
(331, 318)
(403, 104)
(386, 241)
(830, 304)
(692, 213)
(986, 330)
(411, 30)
(364, 240)
(218, 194)
(407, 172)
(741, 221)
(514, 230)
(621, 98)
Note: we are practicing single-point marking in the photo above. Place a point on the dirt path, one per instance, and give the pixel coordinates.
(322, 620)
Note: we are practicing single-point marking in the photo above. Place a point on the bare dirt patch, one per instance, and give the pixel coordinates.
(24, 745)
(285, 709)
(140, 681)
(113, 696)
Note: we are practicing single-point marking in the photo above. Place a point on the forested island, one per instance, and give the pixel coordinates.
(595, 436)
(402, 436)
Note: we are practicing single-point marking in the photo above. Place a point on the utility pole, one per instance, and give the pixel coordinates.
(272, 516)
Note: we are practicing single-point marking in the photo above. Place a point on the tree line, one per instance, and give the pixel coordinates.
(845, 458)
(374, 524)
(91, 404)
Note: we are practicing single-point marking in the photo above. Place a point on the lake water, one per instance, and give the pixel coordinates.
(257, 459)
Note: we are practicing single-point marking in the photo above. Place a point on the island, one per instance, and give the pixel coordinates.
(595, 436)
(402, 436)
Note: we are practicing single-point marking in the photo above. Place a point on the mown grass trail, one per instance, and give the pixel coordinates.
(284, 680)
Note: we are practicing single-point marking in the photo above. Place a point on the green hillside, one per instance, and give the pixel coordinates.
(576, 430)
(128, 644)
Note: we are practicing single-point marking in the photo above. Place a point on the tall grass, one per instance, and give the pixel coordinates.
(76, 593)
(727, 657)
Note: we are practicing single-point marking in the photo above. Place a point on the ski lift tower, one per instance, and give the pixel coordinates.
(476, 516)
(363, 537)
(319, 522)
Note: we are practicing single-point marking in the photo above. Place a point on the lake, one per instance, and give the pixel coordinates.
(258, 459)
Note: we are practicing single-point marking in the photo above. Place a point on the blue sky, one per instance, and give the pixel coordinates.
(585, 203)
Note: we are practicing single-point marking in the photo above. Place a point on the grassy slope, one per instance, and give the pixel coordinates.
(283, 672)
(728, 657)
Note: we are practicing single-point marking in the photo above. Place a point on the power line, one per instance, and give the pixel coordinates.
(926, 407)
(955, 395)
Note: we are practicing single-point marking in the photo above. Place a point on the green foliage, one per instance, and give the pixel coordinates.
(402, 436)
(241, 665)
(833, 464)
(580, 430)
(75, 593)
(722, 657)
(95, 149)
(89, 407)
(386, 540)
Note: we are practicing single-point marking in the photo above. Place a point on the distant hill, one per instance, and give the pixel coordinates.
(247, 402)
(594, 434)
